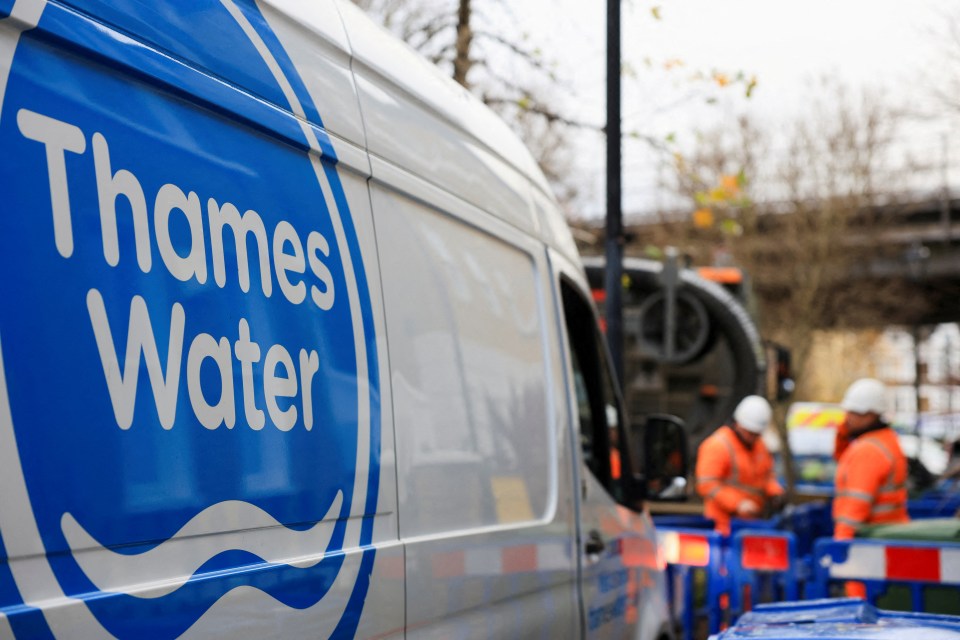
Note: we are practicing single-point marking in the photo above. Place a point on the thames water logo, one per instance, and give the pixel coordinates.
(188, 418)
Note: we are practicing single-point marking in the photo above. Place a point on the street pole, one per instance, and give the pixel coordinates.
(614, 237)
(917, 379)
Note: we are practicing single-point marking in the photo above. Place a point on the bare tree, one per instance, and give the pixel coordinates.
(481, 45)
(467, 38)
(944, 80)
(800, 207)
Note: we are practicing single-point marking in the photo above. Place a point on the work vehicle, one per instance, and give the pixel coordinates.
(295, 343)
(691, 348)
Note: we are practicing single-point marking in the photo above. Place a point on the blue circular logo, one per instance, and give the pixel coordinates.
(188, 364)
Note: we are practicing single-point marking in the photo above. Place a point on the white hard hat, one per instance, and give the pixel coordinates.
(753, 414)
(866, 395)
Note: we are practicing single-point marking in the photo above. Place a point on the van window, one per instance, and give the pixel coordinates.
(465, 327)
(602, 434)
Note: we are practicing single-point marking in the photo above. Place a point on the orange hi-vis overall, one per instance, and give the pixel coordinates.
(871, 483)
(841, 441)
(728, 472)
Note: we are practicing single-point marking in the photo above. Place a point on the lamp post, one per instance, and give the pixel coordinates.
(917, 256)
(613, 308)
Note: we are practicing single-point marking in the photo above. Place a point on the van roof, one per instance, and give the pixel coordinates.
(427, 111)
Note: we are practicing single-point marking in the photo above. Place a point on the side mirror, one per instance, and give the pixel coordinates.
(666, 459)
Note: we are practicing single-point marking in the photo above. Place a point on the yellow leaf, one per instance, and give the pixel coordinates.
(721, 79)
(703, 218)
(655, 12)
(730, 184)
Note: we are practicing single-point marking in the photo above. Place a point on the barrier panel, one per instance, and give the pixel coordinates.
(808, 522)
(682, 521)
(688, 553)
(772, 523)
(763, 566)
(934, 506)
(839, 618)
(878, 564)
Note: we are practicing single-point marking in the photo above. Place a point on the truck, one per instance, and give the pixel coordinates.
(691, 348)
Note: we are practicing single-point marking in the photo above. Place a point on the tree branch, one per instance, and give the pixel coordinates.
(531, 106)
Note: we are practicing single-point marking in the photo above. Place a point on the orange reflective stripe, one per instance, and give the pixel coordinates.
(747, 489)
(855, 495)
(898, 516)
(883, 448)
(886, 508)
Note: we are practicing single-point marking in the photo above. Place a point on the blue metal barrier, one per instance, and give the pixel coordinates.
(881, 563)
(934, 506)
(683, 521)
(688, 551)
(739, 524)
(808, 522)
(839, 618)
(763, 566)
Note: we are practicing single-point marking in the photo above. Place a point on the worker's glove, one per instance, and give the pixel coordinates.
(748, 509)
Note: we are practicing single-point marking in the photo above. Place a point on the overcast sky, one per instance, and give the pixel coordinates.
(891, 45)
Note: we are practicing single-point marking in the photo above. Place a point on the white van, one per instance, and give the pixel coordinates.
(293, 343)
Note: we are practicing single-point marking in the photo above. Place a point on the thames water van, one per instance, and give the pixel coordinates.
(294, 343)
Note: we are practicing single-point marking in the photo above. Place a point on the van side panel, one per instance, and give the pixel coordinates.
(466, 342)
(488, 543)
(190, 342)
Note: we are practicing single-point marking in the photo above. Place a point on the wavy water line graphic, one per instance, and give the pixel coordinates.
(253, 613)
(173, 562)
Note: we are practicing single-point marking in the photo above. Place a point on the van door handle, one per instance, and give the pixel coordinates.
(594, 545)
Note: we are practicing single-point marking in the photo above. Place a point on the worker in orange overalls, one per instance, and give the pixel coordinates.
(871, 480)
(735, 469)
